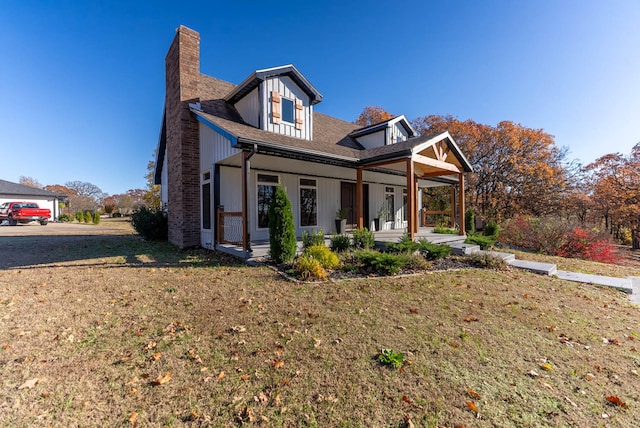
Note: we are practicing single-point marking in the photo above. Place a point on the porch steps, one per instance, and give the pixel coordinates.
(623, 284)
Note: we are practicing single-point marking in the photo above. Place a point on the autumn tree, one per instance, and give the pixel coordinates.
(30, 182)
(615, 183)
(152, 195)
(86, 196)
(516, 169)
(372, 115)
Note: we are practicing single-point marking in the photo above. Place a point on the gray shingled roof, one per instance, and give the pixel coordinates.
(332, 138)
(17, 189)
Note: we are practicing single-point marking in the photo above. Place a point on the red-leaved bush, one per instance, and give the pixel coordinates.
(584, 244)
(556, 237)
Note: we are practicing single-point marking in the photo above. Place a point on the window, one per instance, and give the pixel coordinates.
(308, 202)
(288, 111)
(404, 204)
(206, 200)
(266, 188)
(389, 203)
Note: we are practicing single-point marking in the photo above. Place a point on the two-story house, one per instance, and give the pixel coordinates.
(224, 148)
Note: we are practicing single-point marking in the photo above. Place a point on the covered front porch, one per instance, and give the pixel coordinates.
(260, 249)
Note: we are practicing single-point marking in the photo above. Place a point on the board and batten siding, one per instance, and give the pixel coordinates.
(396, 131)
(287, 89)
(213, 148)
(249, 108)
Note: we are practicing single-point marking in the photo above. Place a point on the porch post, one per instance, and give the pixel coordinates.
(359, 199)
(453, 206)
(461, 203)
(246, 170)
(416, 207)
(411, 197)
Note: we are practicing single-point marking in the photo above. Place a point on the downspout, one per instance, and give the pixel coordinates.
(246, 170)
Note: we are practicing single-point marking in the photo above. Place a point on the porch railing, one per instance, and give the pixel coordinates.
(229, 227)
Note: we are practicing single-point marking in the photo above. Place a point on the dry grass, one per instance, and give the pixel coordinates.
(100, 328)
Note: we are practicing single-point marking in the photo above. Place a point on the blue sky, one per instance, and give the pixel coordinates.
(82, 83)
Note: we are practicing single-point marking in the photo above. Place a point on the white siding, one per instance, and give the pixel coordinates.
(42, 202)
(396, 130)
(287, 89)
(249, 108)
(371, 141)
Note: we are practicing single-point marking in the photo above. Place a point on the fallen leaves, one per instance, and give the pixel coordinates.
(472, 406)
(612, 399)
(473, 394)
(278, 364)
(161, 380)
(471, 319)
(29, 383)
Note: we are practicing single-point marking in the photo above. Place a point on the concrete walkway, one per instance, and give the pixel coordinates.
(630, 285)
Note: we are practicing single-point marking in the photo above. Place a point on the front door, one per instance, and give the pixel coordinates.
(348, 201)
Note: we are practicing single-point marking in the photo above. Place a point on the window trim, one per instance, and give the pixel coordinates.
(205, 178)
(391, 214)
(293, 110)
(307, 186)
(263, 183)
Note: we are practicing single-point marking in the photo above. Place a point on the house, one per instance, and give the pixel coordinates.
(15, 192)
(224, 148)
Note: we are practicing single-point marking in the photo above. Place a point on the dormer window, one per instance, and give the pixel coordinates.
(288, 111)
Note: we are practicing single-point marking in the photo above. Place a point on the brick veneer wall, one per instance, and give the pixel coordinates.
(183, 139)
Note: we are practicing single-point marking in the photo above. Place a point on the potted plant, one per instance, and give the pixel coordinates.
(341, 220)
(382, 217)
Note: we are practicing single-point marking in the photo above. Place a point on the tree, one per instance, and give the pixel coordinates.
(85, 196)
(30, 182)
(516, 169)
(282, 234)
(130, 201)
(152, 196)
(372, 115)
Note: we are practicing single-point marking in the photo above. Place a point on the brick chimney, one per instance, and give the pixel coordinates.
(183, 140)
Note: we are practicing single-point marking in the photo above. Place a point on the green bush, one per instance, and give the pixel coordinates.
(447, 230)
(315, 237)
(282, 233)
(150, 223)
(80, 216)
(470, 221)
(340, 243)
(389, 357)
(327, 258)
(363, 238)
(485, 242)
(404, 245)
(433, 251)
(65, 218)
(381, 262)
(88, 217)
(96, 217)
(488, 261)
(308, 267)
(492, 229)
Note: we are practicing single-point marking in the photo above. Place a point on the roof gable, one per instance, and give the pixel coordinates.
(17, 189)
(400, 120)
(259, 76)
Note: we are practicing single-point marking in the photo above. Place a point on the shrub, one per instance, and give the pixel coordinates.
(65, 218)
(363, 238)
(282, 232)
(80, 216)
(447, 230)
(327, 258)
(544, 235)
(308, 267)
(488, 261)
(416, 261)
(404, 245)
(381, 262)
(340, 243)
(433, 251)
(485, 242)
(150, 223)
(88, 218)
(492, 229)
(584, 244)
(470, 221)
(96, 217)
(315, 237)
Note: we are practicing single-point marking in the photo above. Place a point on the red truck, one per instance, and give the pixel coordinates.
(24, 212)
